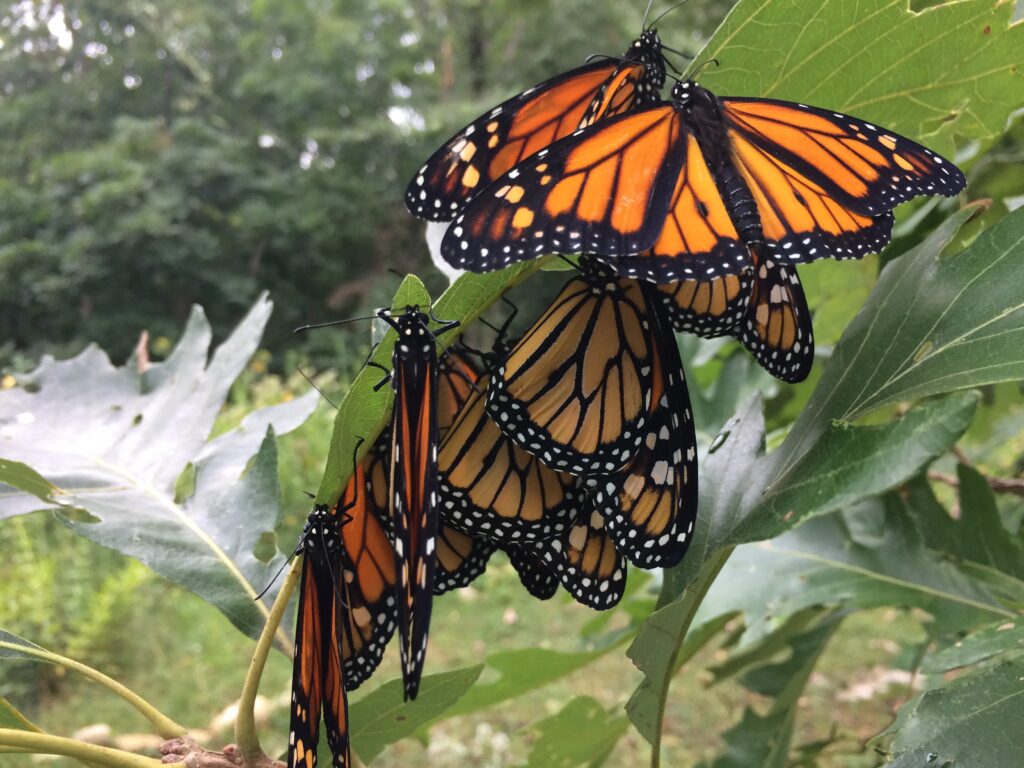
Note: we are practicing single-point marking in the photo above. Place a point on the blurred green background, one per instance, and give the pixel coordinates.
(159, 154)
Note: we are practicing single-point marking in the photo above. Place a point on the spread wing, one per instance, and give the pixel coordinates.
(516, 129)
(605, 189)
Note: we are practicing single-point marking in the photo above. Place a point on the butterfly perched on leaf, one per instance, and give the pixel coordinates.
(413, 481)
(347, 613)
(515, 129)
(680, 190)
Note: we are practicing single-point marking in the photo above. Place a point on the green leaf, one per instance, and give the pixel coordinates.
(583, 733)
(933, 324)
(653, 653)
(8, 652)
(983, 539)
(998, 638)
(865, 557)
(764, 740)
(115, 441)
(973, 721)
(521, 671)
(878, 60)
(22, 477)
(10, 717)
(835, 291)
(382, 717)
(851, 463)
(364, 412)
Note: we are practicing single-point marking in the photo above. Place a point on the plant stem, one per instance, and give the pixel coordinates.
(692, 599)
(164, 726)
(246, 737)
(45, 744)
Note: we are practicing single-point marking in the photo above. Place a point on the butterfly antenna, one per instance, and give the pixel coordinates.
(665, 13)
(700, 67)
(647, 10)
(313, 384)
(665, 60)
(277, 575)
(313, 326)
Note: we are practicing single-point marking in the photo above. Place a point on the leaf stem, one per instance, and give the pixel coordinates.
(164, 726)
(246, 737)
(692, 599)
(46, 744)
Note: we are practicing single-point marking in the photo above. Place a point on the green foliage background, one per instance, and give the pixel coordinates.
(157, 155)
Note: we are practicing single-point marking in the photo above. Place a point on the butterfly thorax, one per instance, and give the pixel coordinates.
(705, 118)
(321, 538)
(415, 341)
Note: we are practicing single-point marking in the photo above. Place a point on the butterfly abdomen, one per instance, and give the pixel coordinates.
(740, 203)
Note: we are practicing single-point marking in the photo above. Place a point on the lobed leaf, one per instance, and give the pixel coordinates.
(115, 442)
(974, 720)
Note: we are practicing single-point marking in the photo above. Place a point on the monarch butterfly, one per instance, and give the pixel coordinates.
(519, 127)
(680, 189)
(764, 307)
(413, 481)
(346, 616)
(576, 388)
(318, 678)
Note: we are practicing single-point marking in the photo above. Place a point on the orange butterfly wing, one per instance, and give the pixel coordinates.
(650, 506)
(707, 308)
(606, 190)
(587, 561)
(495, 142)
(698, 238)
(777, 328)
(488, 486)
(825, 183)
(368, 572)
(318, 677)
(576, 388)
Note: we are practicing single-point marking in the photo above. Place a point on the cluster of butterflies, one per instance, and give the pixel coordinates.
(572, 449)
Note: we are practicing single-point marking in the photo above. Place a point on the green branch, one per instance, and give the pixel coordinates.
(45, 744)
(164, 726)
(246, 737)
(691, 599)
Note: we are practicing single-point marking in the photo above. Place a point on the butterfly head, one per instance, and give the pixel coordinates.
(686, 93)
(648, 49)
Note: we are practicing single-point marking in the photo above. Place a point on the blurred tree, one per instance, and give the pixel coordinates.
(155, 154)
